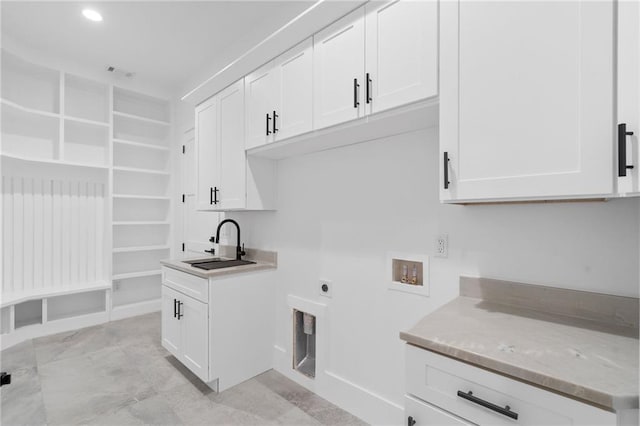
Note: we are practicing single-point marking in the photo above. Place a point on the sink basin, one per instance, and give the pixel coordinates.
(209, 264)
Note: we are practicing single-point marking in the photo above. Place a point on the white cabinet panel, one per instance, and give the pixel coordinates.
(629, 92)
(194, 321)
(419, 413)
(401, 52)
(526, 113)
(170, 325)
(338, 70)
(206, 152)
(260, 102)
(294, 71)
(231, 155)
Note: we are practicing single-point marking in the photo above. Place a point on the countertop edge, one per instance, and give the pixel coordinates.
(566, 389)
(224, 272)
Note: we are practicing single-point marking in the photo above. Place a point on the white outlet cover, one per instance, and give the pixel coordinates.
(442, 245)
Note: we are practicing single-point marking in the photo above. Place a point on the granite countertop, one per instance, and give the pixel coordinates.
(264, 260)
(590, 354)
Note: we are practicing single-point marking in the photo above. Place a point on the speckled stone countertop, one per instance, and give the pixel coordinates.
(264, 260)
(590, 352)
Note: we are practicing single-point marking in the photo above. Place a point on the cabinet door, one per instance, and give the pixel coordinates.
(401, 52)
(526, 99)
(260, 102)
(170, 324)
(206, 153)
(629, 91)
(293, 72)
(231, 155)
(419, 413)
(338, 56)
(194, 326)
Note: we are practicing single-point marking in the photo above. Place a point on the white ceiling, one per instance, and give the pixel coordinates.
(165, 43)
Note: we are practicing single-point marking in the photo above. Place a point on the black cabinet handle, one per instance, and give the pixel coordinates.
(268, 119)
(356, 86)
(506, 411)
(622, 149)
(368, 89)
(275, 127)
(215, 195)
(445, 166)
(175, 308)
(180, 314)
(411, 421)
(211, 195)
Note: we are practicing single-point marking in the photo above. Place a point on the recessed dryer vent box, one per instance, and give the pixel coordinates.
(408, 273)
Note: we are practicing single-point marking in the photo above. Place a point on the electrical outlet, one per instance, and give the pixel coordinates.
(325, 288)
(442, 245)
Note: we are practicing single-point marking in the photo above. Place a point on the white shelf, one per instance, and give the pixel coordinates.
(136, 170)
(141, 197)
(29, 110)
(150, 222)
(137, 274)
(19, 297)
(140, 248)
(141, 118)
(86, 121)
(55, 162)
(141, 144)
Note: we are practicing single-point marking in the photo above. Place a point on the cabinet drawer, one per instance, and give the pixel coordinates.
(426, 414)
(445, 382)
(188, 284)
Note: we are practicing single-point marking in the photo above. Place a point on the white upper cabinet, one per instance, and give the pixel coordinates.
(260, 102)
(226, 179)
(293, 70)
(231, 156)
(278, 97)
(401, 53)
(206, 154)
(628, 97)
(526, 100)
(338, 68)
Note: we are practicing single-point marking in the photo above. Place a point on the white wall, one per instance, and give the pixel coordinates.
(341, 211)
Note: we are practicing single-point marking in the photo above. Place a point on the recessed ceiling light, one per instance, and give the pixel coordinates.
(92, 15)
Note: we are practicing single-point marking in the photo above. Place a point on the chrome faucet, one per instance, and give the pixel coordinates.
(239, 250)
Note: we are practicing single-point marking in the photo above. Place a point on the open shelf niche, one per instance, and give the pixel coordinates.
(68, 145)
(141, 204)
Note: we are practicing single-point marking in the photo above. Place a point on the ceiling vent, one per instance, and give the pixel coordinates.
(120, 73)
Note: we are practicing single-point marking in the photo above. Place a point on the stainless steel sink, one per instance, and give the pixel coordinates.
(217, 263)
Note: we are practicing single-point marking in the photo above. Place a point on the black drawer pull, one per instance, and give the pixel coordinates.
(268, 130)
(622, 149)
(445, 166)
(175, 308)
(180, 314)
(356, 86)
(368, 91)
(506, 411)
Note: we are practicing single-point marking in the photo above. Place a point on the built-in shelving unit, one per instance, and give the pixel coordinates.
(86, 206)
(141, 203)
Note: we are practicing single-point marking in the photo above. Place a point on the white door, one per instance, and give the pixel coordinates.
(293, 72)
(170, 324)
(526, 99)
(206, 153)
(232, 158)
(338, 56)
(629, 93)
(194, 322)
(401, 53)
(260, 102)
(197, 226)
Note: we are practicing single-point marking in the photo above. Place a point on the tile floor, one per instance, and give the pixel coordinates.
(119, 374)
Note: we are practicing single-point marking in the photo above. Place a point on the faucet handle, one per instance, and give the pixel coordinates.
(242, 252)
(212, 239)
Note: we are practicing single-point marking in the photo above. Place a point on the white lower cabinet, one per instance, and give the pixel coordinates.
(220, 328)
(441, 390)
(185, 330)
